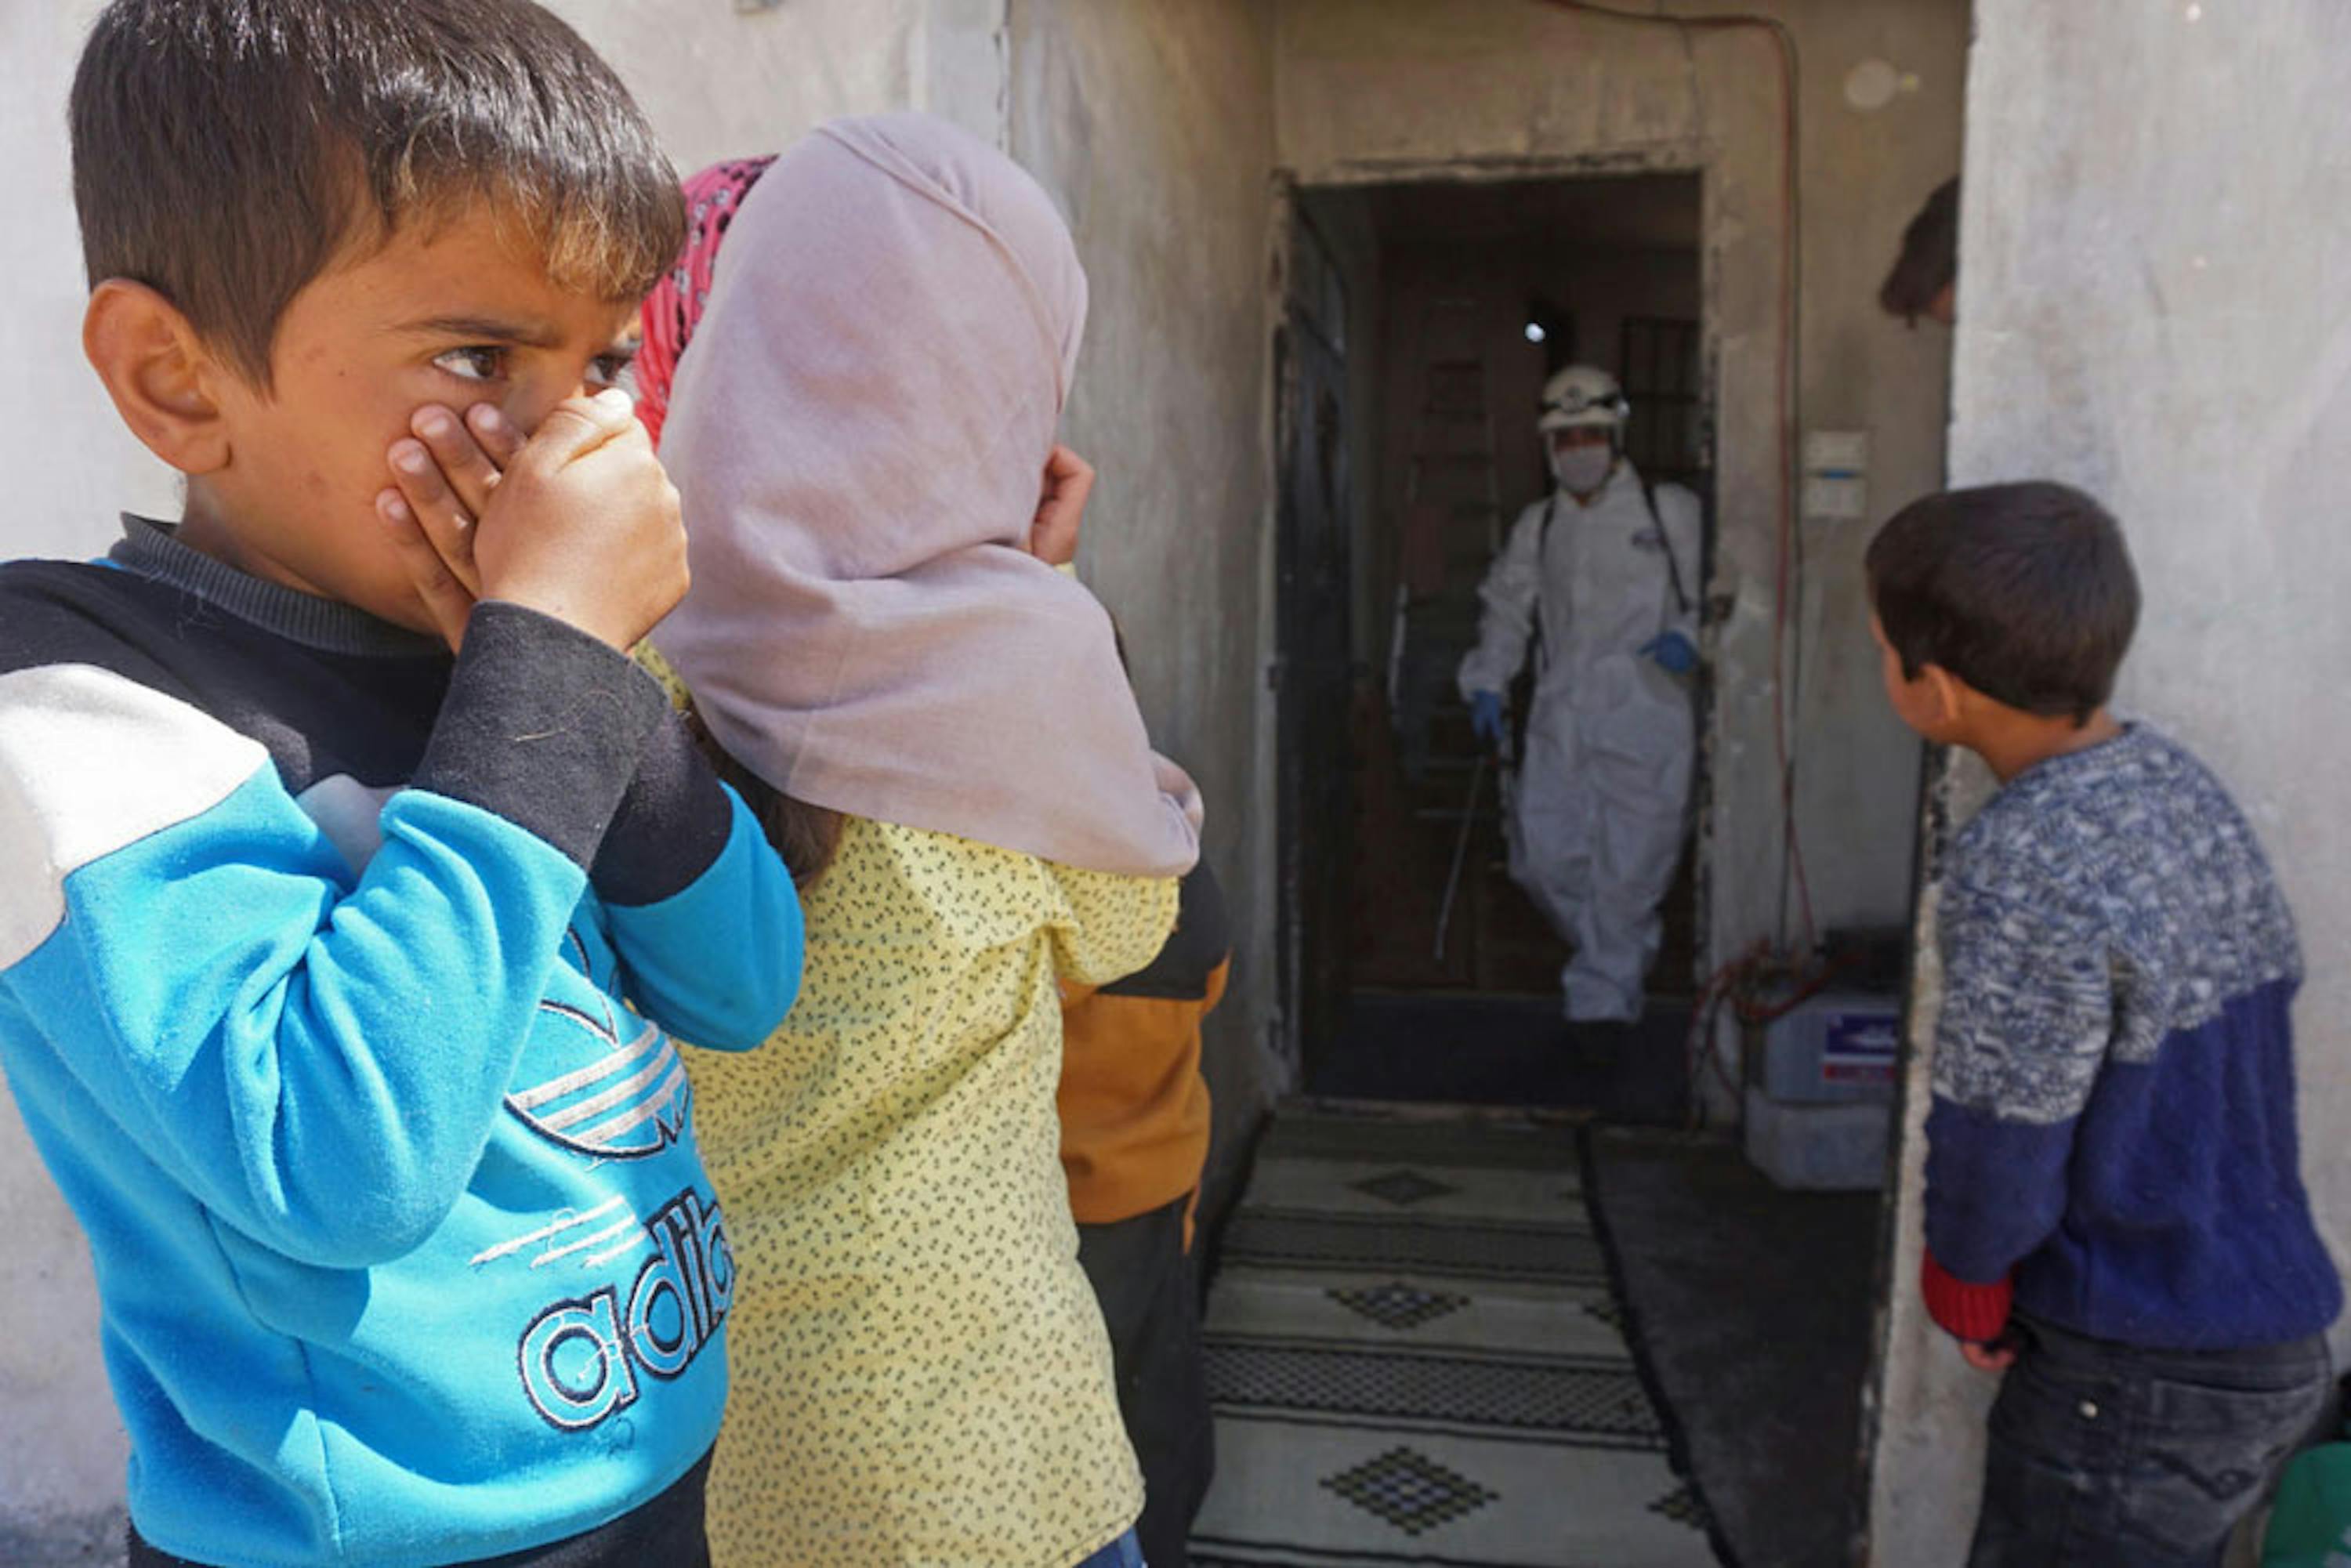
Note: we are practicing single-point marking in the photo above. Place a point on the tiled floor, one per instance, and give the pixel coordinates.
(1416, 1357)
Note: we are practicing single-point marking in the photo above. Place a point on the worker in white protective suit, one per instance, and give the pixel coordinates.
(1599, 581)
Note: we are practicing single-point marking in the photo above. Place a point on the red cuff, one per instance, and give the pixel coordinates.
(1977, 1313)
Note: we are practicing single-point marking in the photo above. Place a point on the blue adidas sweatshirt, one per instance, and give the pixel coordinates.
(337, 979)
(2113, 1130)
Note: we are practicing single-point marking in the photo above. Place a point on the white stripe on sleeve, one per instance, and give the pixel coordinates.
(91, 762)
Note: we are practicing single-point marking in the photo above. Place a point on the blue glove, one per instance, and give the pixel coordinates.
(1675, 653)
(1486, 716)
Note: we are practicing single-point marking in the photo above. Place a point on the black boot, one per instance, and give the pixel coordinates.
(1647, 1084)
(1600, 1044)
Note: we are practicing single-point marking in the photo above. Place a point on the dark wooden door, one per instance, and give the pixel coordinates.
(1314, 680)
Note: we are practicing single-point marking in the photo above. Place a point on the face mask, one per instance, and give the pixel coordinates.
(1581, 470)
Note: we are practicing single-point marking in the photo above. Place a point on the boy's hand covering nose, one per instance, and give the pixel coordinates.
(445, 479)
(580, 522)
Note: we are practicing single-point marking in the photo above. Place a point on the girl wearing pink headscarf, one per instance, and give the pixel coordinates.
(935, 725)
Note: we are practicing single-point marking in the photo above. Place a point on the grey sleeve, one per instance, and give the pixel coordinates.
(2028, 1007)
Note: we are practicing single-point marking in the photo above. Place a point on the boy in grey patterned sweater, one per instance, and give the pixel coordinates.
(2115, 1210)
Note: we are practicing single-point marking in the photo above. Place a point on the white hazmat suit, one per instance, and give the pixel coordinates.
(1603, 786)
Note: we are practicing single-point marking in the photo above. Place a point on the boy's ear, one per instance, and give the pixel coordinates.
(1948, 693)
(159, 373)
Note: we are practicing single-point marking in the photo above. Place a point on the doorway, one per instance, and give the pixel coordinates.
(1422, 321)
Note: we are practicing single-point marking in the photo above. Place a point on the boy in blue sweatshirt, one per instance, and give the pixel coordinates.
(337, 972)
(2114, 1210)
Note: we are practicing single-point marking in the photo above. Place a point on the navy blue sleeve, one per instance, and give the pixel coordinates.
(701, 910)
(673, 824)
(544, 725)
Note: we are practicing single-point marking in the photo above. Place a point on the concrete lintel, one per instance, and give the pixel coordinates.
(1678, 157)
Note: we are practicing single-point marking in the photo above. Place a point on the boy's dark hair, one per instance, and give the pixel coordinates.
(1929, 262)
(225, 152)
(2024, 592)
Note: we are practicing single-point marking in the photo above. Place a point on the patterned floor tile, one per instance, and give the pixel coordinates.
(1404, 1187)
(1410, 1490)
(1599, 1405)
(1415, 1355)
(1460, 1249)
(1397, 1305)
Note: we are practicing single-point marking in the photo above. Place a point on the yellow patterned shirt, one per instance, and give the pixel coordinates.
(921, 1374)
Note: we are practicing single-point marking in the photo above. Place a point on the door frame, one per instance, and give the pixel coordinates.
(1694, 161)
(1295, 977)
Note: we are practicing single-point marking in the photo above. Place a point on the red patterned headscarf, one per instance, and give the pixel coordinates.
(674, 308)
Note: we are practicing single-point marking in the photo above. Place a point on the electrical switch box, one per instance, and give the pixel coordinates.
(1837, 475)
(1836, 451)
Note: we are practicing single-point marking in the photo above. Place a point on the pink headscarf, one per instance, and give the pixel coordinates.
(674, 308)
(858, 435)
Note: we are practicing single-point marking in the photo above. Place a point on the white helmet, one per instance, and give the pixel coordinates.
(1582, 397)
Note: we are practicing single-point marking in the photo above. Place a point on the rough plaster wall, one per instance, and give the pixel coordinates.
(1153, 126)
(75, 466)
(61, 1449)
(1391, 89)
(716, 83)
(719, 85)
(2155, 236)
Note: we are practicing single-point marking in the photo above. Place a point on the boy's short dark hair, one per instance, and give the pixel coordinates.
(1929, 262)
(227, 153)
(2024, 592)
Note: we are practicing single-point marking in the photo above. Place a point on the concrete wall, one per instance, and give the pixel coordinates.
(2155, 230)
(76, 467)
(1153, 125)
(720, 84)
(1389, 90)
(716, 83)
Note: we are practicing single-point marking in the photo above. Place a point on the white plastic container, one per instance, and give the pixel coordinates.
(1831, 1147)
(1836, 1048)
